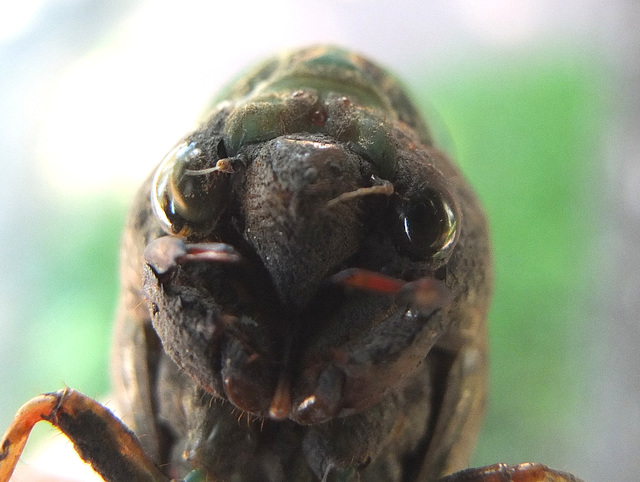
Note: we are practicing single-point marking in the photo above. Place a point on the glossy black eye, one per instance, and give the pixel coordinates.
(429, 226)
(190, 192)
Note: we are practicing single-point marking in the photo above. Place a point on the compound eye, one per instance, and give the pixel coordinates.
(429, 226)
(189, 192)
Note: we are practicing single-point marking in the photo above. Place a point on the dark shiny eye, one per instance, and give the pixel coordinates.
(190, 192)
(429, 226)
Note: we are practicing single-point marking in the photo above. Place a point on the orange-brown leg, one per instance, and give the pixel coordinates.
(98, 436)
(511, 473)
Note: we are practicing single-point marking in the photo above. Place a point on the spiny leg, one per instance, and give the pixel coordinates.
(507, 473)
(361, 371)
(99, 437)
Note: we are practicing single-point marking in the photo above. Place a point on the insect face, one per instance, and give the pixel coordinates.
(302, 253)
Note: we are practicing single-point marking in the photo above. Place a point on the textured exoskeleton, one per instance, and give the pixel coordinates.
(306, 259)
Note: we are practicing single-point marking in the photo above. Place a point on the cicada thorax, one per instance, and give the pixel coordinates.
(323, 91)
(307, 248)
(327, 70)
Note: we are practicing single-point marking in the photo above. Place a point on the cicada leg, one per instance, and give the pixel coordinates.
(98, 436)
(460, 411)
(360, 371)
(507, 473)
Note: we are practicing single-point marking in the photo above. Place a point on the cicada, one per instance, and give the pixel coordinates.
(305, 287)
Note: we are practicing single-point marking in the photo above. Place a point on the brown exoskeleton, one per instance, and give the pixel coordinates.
(308, 261)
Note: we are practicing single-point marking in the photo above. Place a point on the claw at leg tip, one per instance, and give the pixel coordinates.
(281, 404)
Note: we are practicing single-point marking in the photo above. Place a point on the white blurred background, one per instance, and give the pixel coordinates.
(94, 92)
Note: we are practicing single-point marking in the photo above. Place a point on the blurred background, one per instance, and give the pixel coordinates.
(538, 100)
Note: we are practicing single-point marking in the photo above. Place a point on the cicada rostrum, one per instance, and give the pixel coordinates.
(305, 286)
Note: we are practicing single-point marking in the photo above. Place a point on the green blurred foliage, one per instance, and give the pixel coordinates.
(526, 130)
(74, 280)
